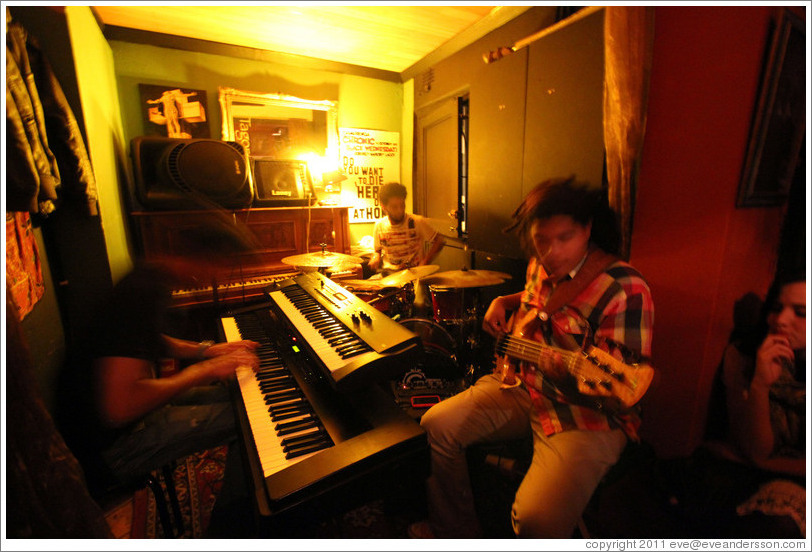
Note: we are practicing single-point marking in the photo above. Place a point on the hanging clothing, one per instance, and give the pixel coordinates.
(46, 158)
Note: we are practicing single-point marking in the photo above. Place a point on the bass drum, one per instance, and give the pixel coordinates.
(439, 360)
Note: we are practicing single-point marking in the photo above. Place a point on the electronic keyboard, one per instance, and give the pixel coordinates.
(314, 419)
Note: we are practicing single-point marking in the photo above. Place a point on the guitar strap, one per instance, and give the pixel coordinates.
(596, 262)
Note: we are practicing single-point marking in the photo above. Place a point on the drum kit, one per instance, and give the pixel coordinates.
(450, 334)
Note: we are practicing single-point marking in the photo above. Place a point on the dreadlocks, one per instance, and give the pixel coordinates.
(566, 196)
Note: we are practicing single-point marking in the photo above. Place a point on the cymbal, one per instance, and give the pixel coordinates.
(405, 276)
(466, 278)
(321, 259)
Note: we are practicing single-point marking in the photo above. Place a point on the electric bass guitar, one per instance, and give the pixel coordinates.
(601, 380)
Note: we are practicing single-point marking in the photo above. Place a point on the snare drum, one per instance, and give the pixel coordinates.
(393, 302)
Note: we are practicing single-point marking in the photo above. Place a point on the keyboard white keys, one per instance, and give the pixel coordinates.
(269, 444)
(230, 329)
(237, 289)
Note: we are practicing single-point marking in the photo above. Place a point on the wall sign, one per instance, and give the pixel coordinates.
(369, 158)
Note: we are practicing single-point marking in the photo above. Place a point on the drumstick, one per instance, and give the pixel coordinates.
(384, 296)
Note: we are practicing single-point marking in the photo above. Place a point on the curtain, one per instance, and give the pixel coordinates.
(628, 36)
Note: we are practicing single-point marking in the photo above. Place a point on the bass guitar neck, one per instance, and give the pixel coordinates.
(596, 374)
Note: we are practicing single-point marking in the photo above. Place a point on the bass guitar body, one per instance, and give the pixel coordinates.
(519, 327)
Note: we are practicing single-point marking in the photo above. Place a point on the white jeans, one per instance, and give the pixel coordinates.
(565, 470)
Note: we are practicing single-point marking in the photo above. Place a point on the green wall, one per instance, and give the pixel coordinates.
(363, 102)
(95, 75)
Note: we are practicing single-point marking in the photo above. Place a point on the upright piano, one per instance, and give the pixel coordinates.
(317, 427)
(280, 231)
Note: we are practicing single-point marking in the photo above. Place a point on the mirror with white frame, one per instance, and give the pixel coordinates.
(278, 126)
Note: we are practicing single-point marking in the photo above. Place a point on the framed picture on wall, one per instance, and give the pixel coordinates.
(174, 112)
(779, 121)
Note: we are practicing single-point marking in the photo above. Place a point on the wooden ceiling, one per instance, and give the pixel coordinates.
(385, 37)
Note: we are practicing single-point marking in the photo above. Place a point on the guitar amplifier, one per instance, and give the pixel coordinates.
(281, 182)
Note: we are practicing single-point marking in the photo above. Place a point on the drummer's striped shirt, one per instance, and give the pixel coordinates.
(616, 308)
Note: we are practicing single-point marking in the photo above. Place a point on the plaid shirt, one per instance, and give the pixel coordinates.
(617, 306)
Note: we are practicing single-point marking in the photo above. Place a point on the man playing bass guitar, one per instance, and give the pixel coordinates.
(571, 366)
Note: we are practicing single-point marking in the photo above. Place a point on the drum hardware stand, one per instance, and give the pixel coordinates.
(472, 341)
(470, 372)
(322, 269)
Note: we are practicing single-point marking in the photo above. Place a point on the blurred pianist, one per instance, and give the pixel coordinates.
(123, 417)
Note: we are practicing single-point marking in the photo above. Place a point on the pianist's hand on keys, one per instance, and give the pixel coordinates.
(223, 366)
(226, 347)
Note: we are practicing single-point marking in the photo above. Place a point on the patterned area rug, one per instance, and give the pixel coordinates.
(198, 478)
(373, 520)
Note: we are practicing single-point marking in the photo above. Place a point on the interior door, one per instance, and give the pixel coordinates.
(436, 166)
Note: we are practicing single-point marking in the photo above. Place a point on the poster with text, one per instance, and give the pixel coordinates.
(369, 158)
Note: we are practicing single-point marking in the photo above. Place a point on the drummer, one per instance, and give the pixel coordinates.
(401, 240)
